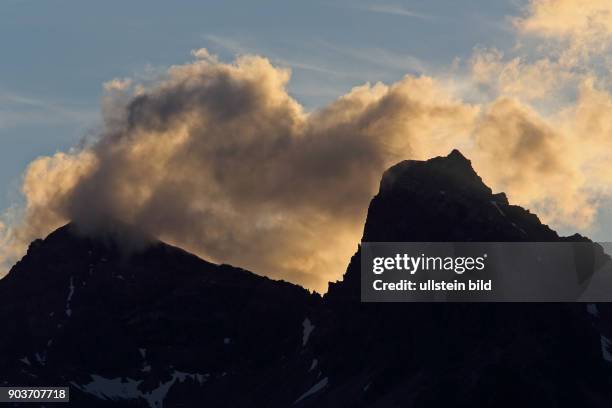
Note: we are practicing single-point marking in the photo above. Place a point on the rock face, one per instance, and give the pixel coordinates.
(160, 327)
(442, 200)
(460, 355)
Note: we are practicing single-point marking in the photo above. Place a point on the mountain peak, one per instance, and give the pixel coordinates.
(451, 171)
(444, 199)
(455, 154)
(440, 200)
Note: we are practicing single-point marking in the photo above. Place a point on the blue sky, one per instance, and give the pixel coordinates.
(56, 54)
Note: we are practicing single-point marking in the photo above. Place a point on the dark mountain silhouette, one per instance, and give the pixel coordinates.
(160, 327)
(79, 311)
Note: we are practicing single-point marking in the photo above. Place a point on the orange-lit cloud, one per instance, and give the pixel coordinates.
(583, 27)
(218, 158)
(569, 19)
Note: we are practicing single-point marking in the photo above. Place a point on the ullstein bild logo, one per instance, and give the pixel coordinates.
(486, 272)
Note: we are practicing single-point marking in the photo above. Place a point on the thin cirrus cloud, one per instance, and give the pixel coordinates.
(237, 47)
(353, 66)
(17, 109)
(319, 81)
(380, 57)
(396, 10)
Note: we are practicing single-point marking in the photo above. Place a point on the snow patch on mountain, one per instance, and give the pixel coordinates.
(308, 328)
(606, 349)
(69, 298)
(315, 389)
(123, 388)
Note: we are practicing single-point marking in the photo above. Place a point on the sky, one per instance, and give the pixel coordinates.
(109, 109)
(57, 54)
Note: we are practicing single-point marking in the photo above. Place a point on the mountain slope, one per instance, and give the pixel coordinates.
(443, 200)
(431, 355)
(160, 327)
(81, 311)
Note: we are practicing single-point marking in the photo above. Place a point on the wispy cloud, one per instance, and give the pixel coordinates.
(228, 44)
(238, 47)
(17, 109)
(395, 10)
(362, 64)
(392, 60)
(309, 67)
(318, 83)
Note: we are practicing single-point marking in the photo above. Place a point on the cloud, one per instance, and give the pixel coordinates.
(204, 54)
(571, 19)
(584, 27)
(396, 10)
(218, 158)
(238, 48)
(517, 76)
(17, 109)
(520, 152)
(381, 57)
(227, 43)
(117, 84)
(46, 184)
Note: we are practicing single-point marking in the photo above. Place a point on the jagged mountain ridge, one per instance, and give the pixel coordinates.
(461, 355)
(163, 326)
(444, 200)
(75, 306)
